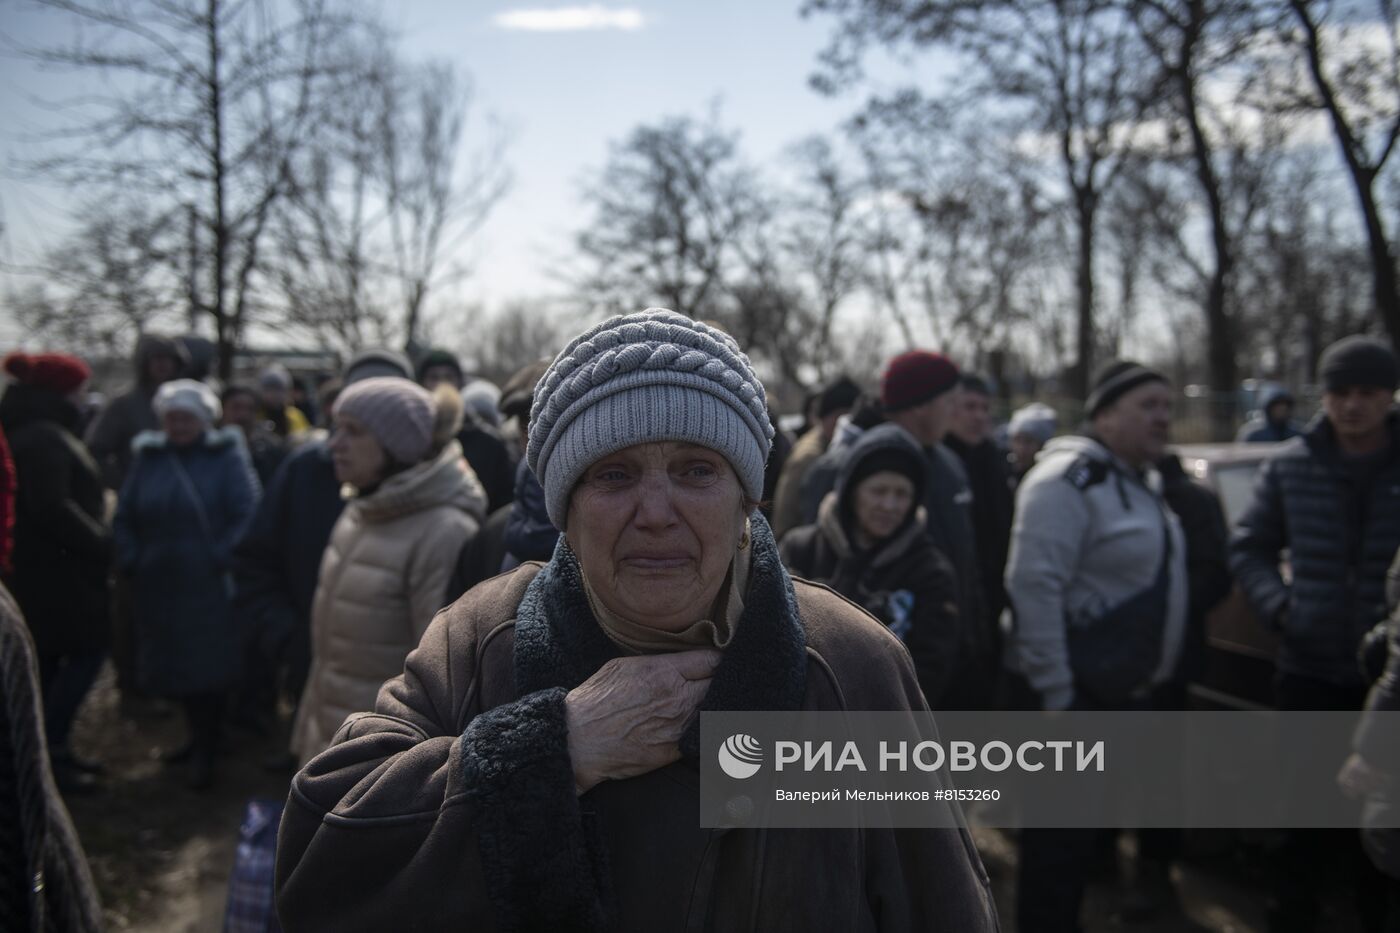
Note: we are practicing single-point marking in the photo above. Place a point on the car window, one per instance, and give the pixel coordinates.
(1235, 484)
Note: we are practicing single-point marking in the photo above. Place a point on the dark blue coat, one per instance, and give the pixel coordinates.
(188, 639)
(1341, 540)
(277, 563)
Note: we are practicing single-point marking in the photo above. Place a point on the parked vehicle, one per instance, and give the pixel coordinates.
(1239, 658)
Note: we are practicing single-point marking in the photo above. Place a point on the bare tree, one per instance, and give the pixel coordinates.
(1071, 70)
(964, 228)
(670, 209)
(200, 105)
(381, 208)
(118, 275)
(520, 332)
(822, 232)
(1189, 39)
(1352, 62)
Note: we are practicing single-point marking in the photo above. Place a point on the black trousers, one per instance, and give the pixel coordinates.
(1055, 863)
(204, 714)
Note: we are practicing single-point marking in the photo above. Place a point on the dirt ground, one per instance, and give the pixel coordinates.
(162, 853)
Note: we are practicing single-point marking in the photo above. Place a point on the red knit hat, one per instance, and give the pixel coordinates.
(914, 377)
(57, 372)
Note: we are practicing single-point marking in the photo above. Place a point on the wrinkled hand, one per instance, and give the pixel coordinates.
(627, 719)
(1358, 778)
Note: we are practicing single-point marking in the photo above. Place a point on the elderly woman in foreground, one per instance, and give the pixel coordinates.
(535, 766)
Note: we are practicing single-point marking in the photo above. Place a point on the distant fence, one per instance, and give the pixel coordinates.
(1193, 412)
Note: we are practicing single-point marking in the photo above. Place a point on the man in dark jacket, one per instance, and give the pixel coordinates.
(1208, 579)
(157, 360)
(1332, 500)
(265, 446)
(481, 445)
(919, 392)
(988, 471)
(833, 401)
(277, 563)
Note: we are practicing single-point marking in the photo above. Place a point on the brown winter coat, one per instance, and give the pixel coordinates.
(382, 580)
(45, 883)
(452, 805)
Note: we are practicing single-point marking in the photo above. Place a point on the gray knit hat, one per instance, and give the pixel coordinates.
(397, 411)
(651, 376)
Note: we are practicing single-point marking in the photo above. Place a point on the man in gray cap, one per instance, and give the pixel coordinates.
(1331, 499)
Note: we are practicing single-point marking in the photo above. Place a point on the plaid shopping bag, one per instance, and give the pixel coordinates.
(250, 906)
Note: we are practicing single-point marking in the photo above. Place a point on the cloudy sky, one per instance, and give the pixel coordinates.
(568, 79)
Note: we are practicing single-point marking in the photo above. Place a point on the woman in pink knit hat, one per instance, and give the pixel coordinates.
(413, 503)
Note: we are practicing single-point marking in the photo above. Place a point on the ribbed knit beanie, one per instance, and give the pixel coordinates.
(57, 372)
(1115, 379)
(439, 357)
(839, 395)
(397, 411)
(1358, 361)
(651, 376)
(914, 377)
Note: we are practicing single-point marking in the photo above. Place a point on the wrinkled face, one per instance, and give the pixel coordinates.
(434, 376)
(358, 458)
(162, 368)
(655, 527)
(1358, 411)
(1137, 427)
(972, 419)
(241, 409)
(181, 428)
(1023, 451)
(882, 502)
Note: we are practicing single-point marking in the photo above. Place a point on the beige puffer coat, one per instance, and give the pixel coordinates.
(383, 578)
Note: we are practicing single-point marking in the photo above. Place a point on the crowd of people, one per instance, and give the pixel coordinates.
(495, 611)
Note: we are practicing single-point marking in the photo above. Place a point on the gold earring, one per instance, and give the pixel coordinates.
(745, 537)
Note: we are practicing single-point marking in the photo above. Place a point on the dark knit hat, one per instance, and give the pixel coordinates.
(440, 357)
(1358, 361)
(839, 395)
(370, 364)
(57, 372)
(914, 377)
(1113, 380)
(972, 382)
(519, 391)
